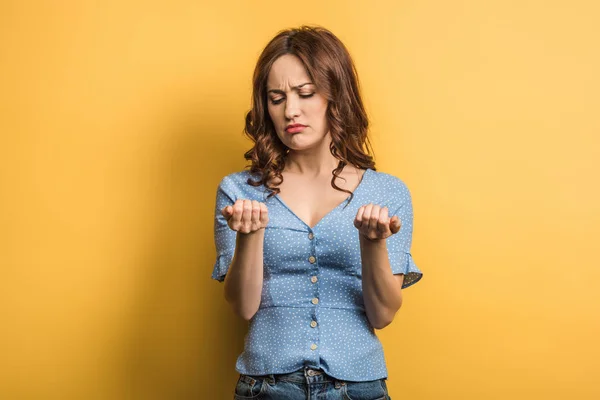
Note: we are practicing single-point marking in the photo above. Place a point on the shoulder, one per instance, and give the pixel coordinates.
(239, 178)
(235, 178)
(390, 183)
(236, 184)
(391, 191)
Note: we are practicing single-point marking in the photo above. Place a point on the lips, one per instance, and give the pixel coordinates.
(295, 128)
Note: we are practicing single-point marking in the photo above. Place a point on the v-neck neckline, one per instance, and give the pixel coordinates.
(362, 180)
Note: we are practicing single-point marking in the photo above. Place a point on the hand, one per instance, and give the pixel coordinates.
(246, 216)
(373, 223)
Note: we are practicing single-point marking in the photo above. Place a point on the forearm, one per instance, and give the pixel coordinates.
(244, 279)
(380, 289)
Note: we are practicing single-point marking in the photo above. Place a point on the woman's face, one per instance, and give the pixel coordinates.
(292, 99)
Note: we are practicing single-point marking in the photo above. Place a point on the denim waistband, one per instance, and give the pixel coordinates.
(304, 374)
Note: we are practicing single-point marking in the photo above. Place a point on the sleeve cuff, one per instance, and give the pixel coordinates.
(403, 264)
(221, 267)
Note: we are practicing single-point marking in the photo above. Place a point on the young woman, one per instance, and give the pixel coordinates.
(313, 244)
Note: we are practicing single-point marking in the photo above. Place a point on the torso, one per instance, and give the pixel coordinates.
(313, 198)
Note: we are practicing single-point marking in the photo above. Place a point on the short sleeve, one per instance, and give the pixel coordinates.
(399, 244)
(225, 237)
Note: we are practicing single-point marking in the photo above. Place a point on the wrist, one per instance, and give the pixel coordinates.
(372, 242)
(257, 232)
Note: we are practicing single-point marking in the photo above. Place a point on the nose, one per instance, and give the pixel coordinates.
(292, 107)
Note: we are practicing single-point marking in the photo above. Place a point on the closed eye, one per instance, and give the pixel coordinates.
(304, 96)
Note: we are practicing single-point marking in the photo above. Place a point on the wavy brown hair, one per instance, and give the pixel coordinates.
(331, 69)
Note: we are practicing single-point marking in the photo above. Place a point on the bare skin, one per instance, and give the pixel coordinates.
(311, 198)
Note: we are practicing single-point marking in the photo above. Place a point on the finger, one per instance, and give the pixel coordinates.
(238, 209)
(264, 214)
(367, 216)
(247, 214)
(227, 211)
(383, 222)
(396, 224)
(374, 218)
(359, 215)
(255, 217)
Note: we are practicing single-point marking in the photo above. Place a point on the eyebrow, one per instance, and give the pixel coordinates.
(293, 87)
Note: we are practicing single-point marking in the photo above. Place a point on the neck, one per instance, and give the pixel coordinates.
(316, 161)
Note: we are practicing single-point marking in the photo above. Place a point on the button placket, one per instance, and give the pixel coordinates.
(312, 259)
(315, 300)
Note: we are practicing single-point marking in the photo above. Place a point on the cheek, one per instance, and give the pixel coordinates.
(318, 113)
(318, 107)
(273, 113)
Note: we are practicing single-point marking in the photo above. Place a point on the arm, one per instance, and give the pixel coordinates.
(244, 279)
(387, 265)
(239, 262)
(382, 292)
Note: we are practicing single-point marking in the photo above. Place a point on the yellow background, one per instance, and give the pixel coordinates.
(118, 121)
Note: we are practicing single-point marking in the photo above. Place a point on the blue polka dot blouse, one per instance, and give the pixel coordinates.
(312, 311)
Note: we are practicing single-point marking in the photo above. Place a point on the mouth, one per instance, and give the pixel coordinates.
(295, 128)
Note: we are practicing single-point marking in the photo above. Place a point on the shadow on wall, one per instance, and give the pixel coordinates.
(181, 339)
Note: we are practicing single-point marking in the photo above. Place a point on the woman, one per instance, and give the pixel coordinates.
(313, 245)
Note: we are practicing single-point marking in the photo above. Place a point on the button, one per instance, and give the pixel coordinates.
(311, 236)
(312, 259)
(315, 300)
(313, 279)
(313, 346)
(313, 323)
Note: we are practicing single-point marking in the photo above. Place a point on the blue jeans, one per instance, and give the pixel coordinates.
(307, 384)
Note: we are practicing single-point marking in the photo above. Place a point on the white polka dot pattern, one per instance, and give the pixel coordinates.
(319, 322)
